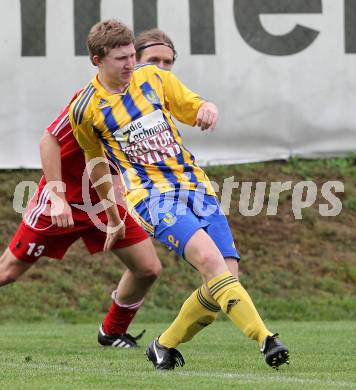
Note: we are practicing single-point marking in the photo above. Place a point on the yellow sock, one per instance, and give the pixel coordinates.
(238, 306)
(198, 311)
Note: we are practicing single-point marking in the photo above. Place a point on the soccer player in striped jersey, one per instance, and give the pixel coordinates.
(155, 47)
(126, 112)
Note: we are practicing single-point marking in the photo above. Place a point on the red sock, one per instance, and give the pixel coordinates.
(119, 317)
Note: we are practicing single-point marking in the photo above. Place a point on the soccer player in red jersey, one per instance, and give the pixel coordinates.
(51, 224)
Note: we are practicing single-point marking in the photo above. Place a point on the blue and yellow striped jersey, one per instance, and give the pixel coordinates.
(135, 129)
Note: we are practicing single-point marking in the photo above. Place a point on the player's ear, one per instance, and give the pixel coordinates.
(96, 60)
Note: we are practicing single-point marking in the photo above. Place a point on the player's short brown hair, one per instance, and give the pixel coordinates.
(152, 36)
(107, 35)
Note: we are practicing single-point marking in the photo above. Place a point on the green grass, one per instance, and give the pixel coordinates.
(51, 357)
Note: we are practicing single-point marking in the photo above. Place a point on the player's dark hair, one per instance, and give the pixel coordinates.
(150, 38)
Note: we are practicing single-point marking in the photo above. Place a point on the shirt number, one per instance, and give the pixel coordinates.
(34, 249)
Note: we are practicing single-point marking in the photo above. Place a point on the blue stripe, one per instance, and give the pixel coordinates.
(80, 101)
(85, 105)
(131, 107)
(113, 126)
(109, 150)
(139, 169)
(175, 205)
(188, 167)
(180, 159)
(146, 89)
(159, 77)
(143, 210)
(138, 66)
(110, 121)
(168, 173)
(142, 174)
(105, 142)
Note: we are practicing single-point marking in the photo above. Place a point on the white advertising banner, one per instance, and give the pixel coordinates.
(282, 72)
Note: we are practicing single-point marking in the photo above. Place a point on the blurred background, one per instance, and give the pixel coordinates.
(281, 72)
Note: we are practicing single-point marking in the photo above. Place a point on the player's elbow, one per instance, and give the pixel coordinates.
(47, 140)
(43, 140)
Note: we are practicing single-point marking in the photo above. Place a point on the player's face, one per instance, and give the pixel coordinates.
(158, 55)
(119, 64)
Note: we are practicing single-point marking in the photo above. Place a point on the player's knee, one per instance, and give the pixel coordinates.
(153, 272)
(156, 269)
(150, 271)
(207, 259)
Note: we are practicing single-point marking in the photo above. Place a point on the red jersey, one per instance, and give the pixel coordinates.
(37, 236)
(72, 159)
(73, 167)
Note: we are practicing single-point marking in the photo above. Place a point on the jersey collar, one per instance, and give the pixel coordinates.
(103, 92)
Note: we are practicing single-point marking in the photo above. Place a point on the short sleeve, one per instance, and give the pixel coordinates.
(85, 135)
(182, 103)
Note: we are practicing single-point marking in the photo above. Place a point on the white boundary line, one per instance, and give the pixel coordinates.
(278, 378)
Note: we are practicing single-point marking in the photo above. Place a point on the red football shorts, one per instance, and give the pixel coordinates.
(30, 243)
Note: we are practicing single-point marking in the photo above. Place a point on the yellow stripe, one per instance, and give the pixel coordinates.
(141, 221)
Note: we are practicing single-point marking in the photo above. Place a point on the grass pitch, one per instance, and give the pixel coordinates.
(50, 356)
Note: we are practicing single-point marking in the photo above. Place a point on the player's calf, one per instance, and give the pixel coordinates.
(11, 268)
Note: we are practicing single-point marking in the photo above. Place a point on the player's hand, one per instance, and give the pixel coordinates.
(207, 116)
(61, 213)
(115, 231)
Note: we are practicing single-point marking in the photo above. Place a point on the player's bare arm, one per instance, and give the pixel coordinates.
(105, 191)
(61, 212)
(207, 116)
